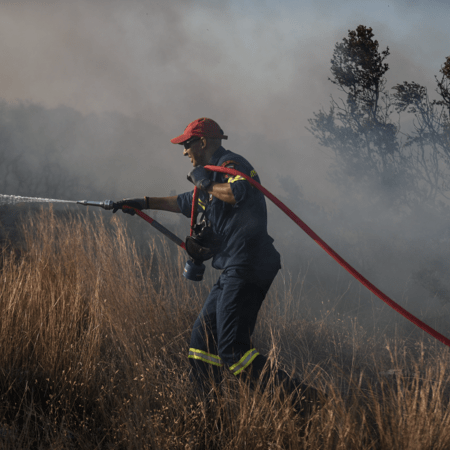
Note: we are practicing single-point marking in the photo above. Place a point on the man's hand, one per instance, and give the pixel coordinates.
(200, 177)
(138, 203)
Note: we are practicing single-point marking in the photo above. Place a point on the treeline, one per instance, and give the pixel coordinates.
(391, 164)
(403, 168)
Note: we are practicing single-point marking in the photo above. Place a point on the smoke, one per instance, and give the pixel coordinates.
(96, 90)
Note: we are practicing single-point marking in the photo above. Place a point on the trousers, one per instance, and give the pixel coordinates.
(221, 336)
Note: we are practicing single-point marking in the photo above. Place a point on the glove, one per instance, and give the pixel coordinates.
(200, 177)
(138, 203)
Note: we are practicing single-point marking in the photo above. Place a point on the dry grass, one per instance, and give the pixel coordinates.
(93, 344)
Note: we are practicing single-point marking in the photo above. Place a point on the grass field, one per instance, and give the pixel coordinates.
(93, 355)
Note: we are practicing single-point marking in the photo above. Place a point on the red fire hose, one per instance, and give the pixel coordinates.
(325, 246)
(159, 227)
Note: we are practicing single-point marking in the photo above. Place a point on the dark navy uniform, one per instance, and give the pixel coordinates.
(242, 227)
(222, 331)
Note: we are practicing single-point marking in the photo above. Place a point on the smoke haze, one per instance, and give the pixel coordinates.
(105, 85)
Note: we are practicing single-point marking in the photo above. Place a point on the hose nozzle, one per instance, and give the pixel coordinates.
(107, 204)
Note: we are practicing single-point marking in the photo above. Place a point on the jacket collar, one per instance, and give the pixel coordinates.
(216, 156)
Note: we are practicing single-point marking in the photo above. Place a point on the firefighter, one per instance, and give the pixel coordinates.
(236, 214)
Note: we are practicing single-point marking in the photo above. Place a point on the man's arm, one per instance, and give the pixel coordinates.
(199, 176)
(222, 191)
(163, 203)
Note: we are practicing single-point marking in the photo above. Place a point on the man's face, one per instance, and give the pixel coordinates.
(195, 151)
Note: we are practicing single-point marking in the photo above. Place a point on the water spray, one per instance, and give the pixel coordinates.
(14, 199)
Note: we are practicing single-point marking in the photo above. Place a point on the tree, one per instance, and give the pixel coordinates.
(429, 141)
(360, 130)
(401, 171)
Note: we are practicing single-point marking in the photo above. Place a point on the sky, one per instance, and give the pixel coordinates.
(259, 68)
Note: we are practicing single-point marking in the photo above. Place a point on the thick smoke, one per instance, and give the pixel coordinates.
(93, 92)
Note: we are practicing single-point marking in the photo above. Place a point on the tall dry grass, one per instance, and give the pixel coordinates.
(93, 342)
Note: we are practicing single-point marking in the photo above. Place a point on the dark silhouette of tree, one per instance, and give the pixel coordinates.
(429, 141)
(406, 171)
(359, 129)
(400, 170)
(443, 88)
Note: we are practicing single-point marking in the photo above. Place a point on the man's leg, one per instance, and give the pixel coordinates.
(237, 310)
(203, 353)
(241, 297)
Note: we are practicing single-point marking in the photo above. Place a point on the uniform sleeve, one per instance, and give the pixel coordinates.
(241, 188)
(184, 201)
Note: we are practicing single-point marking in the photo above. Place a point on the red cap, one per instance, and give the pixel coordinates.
(202, 127)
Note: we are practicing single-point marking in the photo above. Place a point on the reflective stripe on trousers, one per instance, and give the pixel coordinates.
(215, 360)
(205, 357)
(244, 362)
